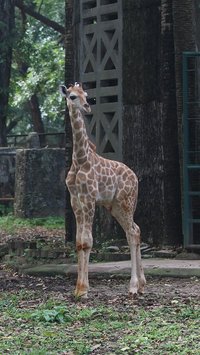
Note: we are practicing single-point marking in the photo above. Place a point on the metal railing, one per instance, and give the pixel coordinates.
(51, 139)
(191, 149)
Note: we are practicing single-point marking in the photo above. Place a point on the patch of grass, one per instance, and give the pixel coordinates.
(163, 331)
(33, 326)
(10, 223)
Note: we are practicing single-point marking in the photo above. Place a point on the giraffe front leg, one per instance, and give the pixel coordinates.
(80, 285)
(84, 243)
(83, 247)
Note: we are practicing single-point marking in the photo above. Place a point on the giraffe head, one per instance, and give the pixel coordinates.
(76, 97)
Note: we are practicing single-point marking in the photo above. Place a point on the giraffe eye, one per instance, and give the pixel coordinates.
(73, 97)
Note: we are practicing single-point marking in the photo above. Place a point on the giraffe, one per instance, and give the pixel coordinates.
(92, 180)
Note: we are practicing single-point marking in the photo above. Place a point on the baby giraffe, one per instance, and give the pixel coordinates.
(92, 180)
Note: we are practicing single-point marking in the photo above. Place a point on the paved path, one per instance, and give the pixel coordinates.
(153, 267)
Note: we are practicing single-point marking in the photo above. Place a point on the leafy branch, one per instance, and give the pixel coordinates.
(46, 21)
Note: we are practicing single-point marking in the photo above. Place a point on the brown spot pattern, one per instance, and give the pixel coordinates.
(92, 177)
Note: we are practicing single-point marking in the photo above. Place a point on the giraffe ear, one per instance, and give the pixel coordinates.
(70, 86)
(63, 90)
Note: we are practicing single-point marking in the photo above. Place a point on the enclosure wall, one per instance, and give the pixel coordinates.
(40, 182)
(146, 104)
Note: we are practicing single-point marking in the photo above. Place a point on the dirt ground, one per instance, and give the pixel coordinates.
(32, 234)
(103, 290)
(159, 291)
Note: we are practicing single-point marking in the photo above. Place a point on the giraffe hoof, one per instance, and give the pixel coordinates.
(133, 292)
(81, 290)
(142, 284)
(81, 294)
(141, 290)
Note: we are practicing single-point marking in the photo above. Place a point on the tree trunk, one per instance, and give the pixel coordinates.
(6, 34)
(36, 118)
(171, 164)
(69, 78)
(150, 119)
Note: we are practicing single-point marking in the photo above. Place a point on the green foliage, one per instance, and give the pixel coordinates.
(62, 314)
(53, 9)
(38, 68)
(59, 314)
(10, 223)
(52, 327)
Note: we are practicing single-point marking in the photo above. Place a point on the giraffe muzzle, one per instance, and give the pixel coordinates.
(87, 107)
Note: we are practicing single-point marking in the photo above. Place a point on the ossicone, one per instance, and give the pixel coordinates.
(78, 84)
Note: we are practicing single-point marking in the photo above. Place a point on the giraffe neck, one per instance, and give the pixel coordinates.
(80, 137)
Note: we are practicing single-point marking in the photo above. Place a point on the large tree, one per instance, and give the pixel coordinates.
(37, 60)
(6, 41)
(69, 78)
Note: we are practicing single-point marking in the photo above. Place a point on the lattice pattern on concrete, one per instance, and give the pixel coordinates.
(100, 72)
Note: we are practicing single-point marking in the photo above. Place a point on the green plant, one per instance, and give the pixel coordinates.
(10, 223)
(58, 314)
(60, 325)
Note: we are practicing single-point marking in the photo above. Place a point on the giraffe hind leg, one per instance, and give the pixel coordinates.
(139, 266)
(125, 219)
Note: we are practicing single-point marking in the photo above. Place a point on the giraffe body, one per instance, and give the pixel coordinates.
(92, 180)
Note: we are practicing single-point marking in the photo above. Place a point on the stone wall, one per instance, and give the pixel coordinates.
(7, 172)
(40, 182)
